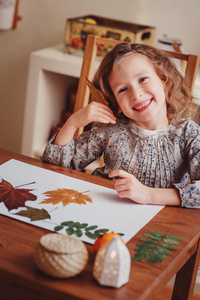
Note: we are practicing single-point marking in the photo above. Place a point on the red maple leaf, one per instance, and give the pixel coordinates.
(13, 197)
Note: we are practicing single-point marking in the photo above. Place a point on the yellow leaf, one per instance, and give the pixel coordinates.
(66, 196)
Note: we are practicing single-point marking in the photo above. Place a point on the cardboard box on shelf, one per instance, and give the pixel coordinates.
(78, 28)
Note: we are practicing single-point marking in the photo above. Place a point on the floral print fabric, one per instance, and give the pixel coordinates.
(168, 158)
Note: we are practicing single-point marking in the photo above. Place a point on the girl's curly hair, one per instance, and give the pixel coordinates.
(179, 100)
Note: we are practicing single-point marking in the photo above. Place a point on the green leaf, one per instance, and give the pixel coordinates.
(163, 250)
(157, 234)
(78, 233)
(120, 233)
(58, 228)
(145, 245)
(70, 231)
(35, 214)
(91, 227)
(90, 235)
(142, 251)
(158, 255)
(155, 247)
(173, 238)
(151, 236)
(68, 223)
(148, 241)
(138, 256)
(100, 231)
(143, 248)
(170, 241)
(167, 246)
(83, 225)
(152, 259)
(75, 228)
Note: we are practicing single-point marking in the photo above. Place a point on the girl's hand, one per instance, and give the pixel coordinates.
(93, 112)
(129, 187)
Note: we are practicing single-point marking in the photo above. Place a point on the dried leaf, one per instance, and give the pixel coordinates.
(120, 233)
(34, 214)
(58, 228)
(14, 197)
(156, 247)
(83, 225)
(155, 257)
(167, 246)
(65, 196)
(157, 234)
(171, 241)
(152, 236)
(148, 241)
(78, 229)
(70, 230)
(173, 238)
(163, 250)
(100, 231)
(91, 227)
(67, 223)
(95, 93)
(90, 235)
(139, 256)
(78, 232)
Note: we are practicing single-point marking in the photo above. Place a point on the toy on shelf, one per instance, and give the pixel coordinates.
(77, 30)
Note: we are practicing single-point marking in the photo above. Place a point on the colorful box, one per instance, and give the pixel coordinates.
(78, 28)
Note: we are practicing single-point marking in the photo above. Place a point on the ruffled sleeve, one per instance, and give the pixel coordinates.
(59, 155)
(189, 188)
(78, 153)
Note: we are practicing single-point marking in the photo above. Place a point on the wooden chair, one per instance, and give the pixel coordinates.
(82, 98)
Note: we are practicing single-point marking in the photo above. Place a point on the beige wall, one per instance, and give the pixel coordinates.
(43, 25)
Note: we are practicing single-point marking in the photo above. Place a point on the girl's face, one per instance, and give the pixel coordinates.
(139, 92)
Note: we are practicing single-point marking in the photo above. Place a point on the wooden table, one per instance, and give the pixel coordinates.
(21, 280)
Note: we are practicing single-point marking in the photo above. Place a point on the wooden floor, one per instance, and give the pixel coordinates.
(166, 294)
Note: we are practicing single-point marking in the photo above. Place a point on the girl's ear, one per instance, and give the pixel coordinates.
(165, 83)
(119, 110)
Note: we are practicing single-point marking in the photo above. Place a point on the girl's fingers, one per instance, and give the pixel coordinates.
(118, 173)
(93, 112)
(120, 185)
(102, 108)
(100, 112)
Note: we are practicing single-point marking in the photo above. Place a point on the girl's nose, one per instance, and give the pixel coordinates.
(136, 93)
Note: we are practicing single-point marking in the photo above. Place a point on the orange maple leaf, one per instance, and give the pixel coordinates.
(13, 197)
(65, 196)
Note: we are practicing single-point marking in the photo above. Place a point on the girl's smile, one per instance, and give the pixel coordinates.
(142, 106)
(139, 91)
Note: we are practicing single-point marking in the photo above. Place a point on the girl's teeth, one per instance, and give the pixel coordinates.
(143, 105)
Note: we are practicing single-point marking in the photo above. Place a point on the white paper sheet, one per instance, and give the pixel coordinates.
(107, 210)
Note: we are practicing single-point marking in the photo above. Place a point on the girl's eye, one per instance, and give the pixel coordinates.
(142, 80)
(122, 90)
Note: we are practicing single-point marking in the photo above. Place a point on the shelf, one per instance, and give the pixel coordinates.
(51, 73)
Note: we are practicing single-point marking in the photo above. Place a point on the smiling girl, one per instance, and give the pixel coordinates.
(151, 147)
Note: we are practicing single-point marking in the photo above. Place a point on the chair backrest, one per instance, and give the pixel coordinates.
(87, 71)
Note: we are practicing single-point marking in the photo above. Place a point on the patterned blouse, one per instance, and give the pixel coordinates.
(168, 158)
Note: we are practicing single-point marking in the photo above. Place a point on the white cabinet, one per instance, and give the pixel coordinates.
(51, 73)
